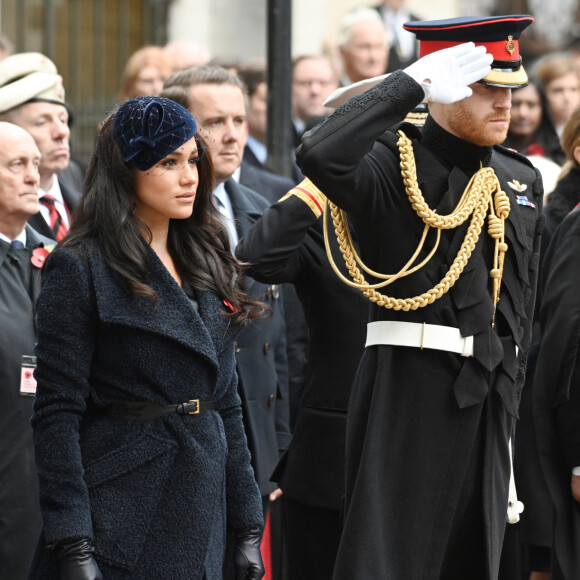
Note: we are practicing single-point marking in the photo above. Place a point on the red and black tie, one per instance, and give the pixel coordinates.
(57, 224)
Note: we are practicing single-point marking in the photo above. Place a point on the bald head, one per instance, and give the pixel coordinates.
(19, 178)
(185, 53)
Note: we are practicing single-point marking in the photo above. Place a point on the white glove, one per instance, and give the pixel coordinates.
(445, 75)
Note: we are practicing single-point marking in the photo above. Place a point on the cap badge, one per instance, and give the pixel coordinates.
(517, 186)
(511, 45)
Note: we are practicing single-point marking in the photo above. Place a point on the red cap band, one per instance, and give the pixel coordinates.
(498, 49)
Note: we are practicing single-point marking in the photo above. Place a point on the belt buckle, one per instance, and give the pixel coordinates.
(196, 401)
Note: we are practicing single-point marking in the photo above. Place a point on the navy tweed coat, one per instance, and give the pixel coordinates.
(155, 497)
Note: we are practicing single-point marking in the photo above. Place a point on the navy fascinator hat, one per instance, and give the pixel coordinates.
(148, 129)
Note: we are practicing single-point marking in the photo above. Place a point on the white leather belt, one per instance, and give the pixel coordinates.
(395, 333)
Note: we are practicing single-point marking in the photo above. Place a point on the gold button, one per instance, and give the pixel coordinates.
(270, 400)
(266, 348)
(237, 347)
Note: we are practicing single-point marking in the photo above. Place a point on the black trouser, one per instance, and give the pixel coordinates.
(465, 555)
(312, 538)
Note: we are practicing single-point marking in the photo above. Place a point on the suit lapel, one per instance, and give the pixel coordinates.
(35, 240)
(245, 212)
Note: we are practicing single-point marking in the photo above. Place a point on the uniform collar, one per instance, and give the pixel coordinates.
(453, 151)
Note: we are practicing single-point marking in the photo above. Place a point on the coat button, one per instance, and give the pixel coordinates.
(266, 348)
(270, 400)
(236, 347)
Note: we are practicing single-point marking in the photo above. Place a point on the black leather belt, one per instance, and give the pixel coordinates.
(142, 411)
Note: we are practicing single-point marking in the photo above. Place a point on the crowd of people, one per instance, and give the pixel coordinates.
(360, 370)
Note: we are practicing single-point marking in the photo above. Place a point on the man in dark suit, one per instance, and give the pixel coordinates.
(217, 99)
(32, 97)
(363, 45)
(404, 48)
(21, 257)
(313, 78)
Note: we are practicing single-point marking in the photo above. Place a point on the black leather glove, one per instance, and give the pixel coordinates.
(247, 556)
(76, 560)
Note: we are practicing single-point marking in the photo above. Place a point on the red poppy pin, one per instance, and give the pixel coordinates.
(231, 306)
(39, 255)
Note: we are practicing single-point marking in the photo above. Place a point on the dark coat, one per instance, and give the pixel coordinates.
(251, 159)
(267, 184)
(19, 507)
(557, 391)
(286, 245)
(416, 415)
(154, 496)
(71, 199)
(564, 198)
(536, 526)
(261, 358)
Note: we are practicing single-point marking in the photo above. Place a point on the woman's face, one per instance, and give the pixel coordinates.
(167, 190)
(526, 113)
(563, 96)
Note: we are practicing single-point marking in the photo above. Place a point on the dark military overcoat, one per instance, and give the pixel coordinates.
(416, 417)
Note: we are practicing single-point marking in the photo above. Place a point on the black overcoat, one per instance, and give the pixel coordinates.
(19, 508)
(556, 391)
(415, 414)
(153, 496)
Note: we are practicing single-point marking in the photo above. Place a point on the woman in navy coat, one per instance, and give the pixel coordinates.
(140, 448)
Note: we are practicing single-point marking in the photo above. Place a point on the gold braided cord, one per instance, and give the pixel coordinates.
(347, 248)
(475, 202)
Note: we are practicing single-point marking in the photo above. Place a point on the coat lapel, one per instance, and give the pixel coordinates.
(172, 315)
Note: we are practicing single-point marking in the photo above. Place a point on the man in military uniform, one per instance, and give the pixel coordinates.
(455, 247)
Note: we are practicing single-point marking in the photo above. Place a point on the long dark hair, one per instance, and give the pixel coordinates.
(198, 245)
(545, 136)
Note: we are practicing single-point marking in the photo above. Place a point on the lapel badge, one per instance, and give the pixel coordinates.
(517, 186)
(511, 45)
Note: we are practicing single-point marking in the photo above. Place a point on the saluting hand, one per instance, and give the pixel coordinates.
(445, 75)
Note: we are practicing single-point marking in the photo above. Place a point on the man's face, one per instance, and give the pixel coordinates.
(221, 112)
(19, 177)
(258, 112)
(48, 125)
(365, 55)
(482, 119)
(313, 80)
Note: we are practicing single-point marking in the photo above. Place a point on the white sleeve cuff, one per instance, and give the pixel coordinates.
(576, 470)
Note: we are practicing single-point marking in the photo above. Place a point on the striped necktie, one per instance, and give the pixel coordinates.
(57, 224)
